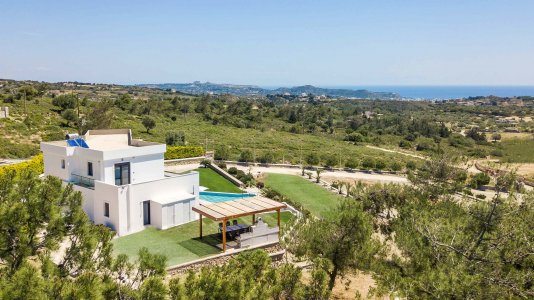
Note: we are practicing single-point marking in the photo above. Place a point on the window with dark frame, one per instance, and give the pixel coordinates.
(106, 209)
(63, 164)
(89, 169)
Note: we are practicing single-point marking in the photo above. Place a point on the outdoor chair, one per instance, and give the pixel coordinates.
(220, 227)
(234, 222)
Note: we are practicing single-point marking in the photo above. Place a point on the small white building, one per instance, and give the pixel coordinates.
(122, 180)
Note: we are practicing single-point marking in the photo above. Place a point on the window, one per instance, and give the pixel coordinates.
(89, 169)
(122, 173)
(63, 164)
(106, 209)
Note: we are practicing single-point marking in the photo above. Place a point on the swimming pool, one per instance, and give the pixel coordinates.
(217, 197)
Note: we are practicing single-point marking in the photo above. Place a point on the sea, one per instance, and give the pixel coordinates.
(446, 92)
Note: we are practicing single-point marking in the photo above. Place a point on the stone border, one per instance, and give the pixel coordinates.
(226, 175)
(275, 251)
(183, 161)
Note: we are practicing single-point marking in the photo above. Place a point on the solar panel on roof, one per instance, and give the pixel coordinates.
(72, 143)
(77, 143)
(82, 143)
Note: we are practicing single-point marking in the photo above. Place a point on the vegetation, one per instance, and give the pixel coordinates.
(421, 241)
(35, 165)
(36, 216)
(176, 152)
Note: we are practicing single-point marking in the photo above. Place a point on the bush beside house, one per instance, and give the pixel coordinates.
(177, 152)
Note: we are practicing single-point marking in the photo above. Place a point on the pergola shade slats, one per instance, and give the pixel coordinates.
(237, 208)
(248, 204)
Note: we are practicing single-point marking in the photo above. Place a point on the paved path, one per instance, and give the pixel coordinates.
(327, 174)
(398, 152)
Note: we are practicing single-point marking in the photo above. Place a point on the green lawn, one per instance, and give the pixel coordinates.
(215, 182)
(313, 197)
(181, 243)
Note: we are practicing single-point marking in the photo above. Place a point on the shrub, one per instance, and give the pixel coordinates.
(233, 171)
(221, 165)
(65, 101)
(405, 144)
(497, 152)
(422, 146)
(380, 164)
(351, 163)
(411, 165)
(36, 164)
(177, 152)
(266, 158)
(368, 163)
(260, 184)
(329, 161)
(478, 180)
(396, 166)
(480, 196)
(205, 162)
(221, 153)
(175, 138)
(312, 159)
(246, 156)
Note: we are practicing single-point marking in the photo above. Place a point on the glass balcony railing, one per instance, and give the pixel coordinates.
(82, 181)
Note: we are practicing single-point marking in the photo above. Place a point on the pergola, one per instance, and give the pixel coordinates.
(227, 210)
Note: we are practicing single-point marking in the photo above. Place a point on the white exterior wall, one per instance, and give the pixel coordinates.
(163, 188)
(88, 200)
(178, 213)
(156, 213)
(142, 168)
(147, 182)
(113, 195)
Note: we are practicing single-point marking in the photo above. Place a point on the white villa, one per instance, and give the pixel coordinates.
(122, 180)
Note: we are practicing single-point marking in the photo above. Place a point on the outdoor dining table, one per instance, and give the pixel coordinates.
(238, 227)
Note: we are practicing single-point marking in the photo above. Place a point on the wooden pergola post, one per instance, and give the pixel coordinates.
(224, 235)
(253, 219)
(279, 229)
(200, 226)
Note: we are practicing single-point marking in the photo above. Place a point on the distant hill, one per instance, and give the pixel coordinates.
(252, 90)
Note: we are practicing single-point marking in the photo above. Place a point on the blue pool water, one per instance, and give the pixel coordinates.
(217, 197)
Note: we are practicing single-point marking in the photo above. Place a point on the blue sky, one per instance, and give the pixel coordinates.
(270, 42)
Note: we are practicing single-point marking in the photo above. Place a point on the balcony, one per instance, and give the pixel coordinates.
(82, 181)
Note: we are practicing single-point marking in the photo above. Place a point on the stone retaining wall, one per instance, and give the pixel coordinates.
(276, 252)
(226, 175)
(184, 161)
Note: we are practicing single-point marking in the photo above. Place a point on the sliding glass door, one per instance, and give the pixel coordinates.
(122, 173)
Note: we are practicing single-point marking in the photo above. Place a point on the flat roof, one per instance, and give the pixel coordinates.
(238, 208)
(176, 197)
(108, 140)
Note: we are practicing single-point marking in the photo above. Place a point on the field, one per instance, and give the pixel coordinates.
(518, 151)
(44, 123)
(216, 183)
(284, 146)
(314, 198)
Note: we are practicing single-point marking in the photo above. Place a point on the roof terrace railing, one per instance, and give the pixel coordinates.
(82, 181)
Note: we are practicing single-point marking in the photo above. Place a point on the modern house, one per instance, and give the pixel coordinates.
(122, 180)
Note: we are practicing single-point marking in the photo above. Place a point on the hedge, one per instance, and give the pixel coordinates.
(36, 164)
(176, 152)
